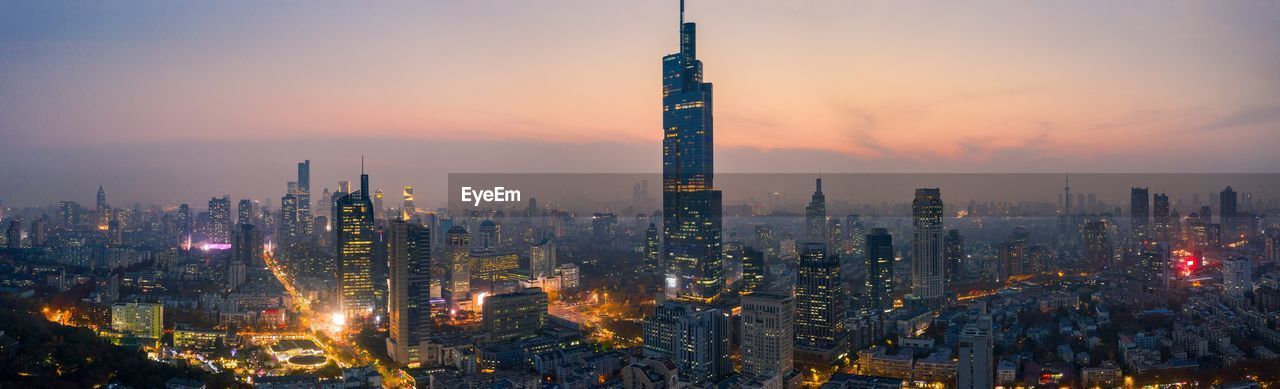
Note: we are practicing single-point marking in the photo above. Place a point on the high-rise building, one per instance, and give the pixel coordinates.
(1139, 214)
(290, 232)
(1237, 276)
(236, 275)
(1228, 200)
(457, 271)
(246, 245)
(542, 259)
(702, 352)
(767, 333)
(815, 216)
(1097, 244)
(1066, 195)
(515, 315)
(652, 249)
(142, 319)
(103, 211)
(1015, 254)
(245, 213)
(1160, 215)
(304, 199)
(691, 213)
(819, 294)
(409, 293)
(68, 214)
(183, 225)
(39, 232)
(603, 225)
(13, 234)
(659, 329)
(1154, 266)
(753, 269)
(353, 242)
(975, 369)
(487, 237)
(953, 255)
(928, 272)
(878, 285)
(409, 210)
(219, 229)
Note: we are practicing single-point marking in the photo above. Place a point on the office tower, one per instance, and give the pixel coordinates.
(652, 248)
(409, 293)
(878, 284)
(702, 352)
(219, 220)
(1228, 200)
(290, 232)
(142, 319)
(659, 329)
(975, 369)
(408, 211)
(183, 224)
(815, 216)
(1015, 254)
(493, 267)
(68, 214)
(691, 213)
(1097, 244)
(1153, 266)
(953, 255)
(486, 238)
(304, 199)
(767, 333)
(457, 277)
(1237, 276)
(103, 211)
(353, 242)
(513, 316)
(542, 259)
(244, 212)
(13, 234)
(1139, 214)
(568, 276)
(927, 268)
(246, 245)
(379, 212)
(819, 293)
(1163, 224)
(753, 269)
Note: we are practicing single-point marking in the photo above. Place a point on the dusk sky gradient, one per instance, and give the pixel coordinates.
(164, 101)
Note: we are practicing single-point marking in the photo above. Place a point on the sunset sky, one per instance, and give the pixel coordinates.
(164, 101)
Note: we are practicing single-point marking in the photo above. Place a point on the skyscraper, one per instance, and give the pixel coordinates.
(102, 213)
(1097, 245)
(246, 245)
(1153, 266)
(878, 285)
(975, 369)
(183, 225)
(819, 294)
(457, 271)
(409, 293)
(752, 269)
(304, 198)
(1139, 214)
(652, 248)
(219, 220)
(767, 333)
(514, 315)
(13, 234)
(1237, 276)
(542, 259)
(702, 348)
(815, 216)
(244, 212)
(1163, 228)
(927, 268)
(409, 210)
(691, 213)
(953, 255)
(353, 242)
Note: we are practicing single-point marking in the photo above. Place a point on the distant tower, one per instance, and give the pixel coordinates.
(304, 198)
(815, 215)
(409, 210)
(457, 257)
(1139, 214)
(878, 285)
(220, 220)
(1066, 190)
(103, 211)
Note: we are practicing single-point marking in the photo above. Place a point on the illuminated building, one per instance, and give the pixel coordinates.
(767, 333)
(244, 212)
(659, 329)
(378, 211)
(1161, 218)
(290, 232)
(183, 224)
(878, 285)
(1097, 245)
(204, 340)
(542, 259)
(304, 198)
(457, 277)
(702, 348)
(353, 225)
(568, 276)
(142, 319)
(103, 211)
(235, 275)
(691, 212)
(819, 298)
(409, 312)
(514, 316)
(1139, 214)
(975, 369)
(1015, 254)
(927, 268)
(219, 220)
(953, 255)
(68, 214)
(408, 211)
(493, 267)
(13, 234)
(1237, 276)
(652, 248)
(815, 216)
(1153, 266)
(753, 269)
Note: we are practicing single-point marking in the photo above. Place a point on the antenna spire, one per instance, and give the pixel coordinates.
(361, 164)
(681, 15)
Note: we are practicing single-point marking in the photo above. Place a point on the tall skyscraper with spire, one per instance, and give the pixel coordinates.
(815, 216)
(353, 223)
(691, 214)
(1066, 195)
(103, 211)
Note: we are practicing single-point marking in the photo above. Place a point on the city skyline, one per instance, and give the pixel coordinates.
(1035, 93)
